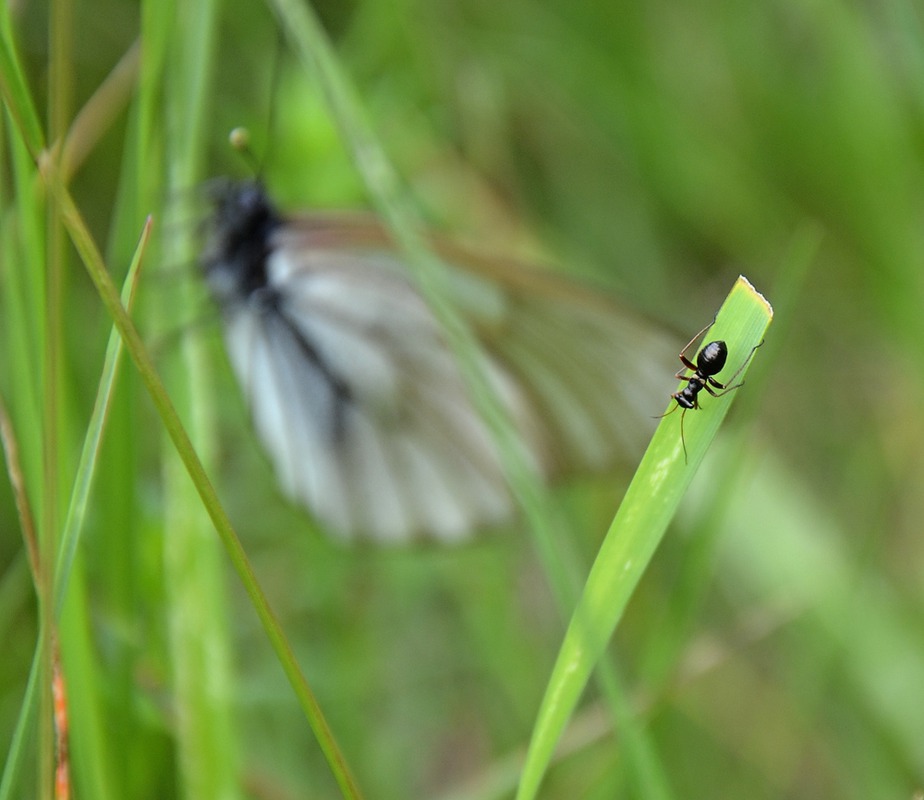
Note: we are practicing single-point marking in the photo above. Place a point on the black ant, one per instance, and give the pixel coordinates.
(710, 361)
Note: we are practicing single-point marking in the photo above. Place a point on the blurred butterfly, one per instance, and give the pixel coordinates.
(358, 399)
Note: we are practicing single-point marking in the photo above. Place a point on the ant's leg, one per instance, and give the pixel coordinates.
(667, 413)
(744, 363)
(724, 386)
(683, 353)
(725, 389)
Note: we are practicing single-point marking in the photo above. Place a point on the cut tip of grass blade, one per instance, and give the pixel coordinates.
(741, 323)
(646, 510)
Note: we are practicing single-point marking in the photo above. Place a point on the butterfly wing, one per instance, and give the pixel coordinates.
(592, 377)
(587, 370)
(361, 406)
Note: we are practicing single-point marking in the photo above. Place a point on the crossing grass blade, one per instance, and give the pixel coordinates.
(648, 507)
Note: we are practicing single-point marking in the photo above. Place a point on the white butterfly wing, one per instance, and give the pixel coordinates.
(359, 402)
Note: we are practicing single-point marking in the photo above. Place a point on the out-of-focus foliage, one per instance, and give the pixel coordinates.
(775, 647)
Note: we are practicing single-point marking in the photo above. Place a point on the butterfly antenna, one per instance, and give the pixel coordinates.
(239, 138)
(272, 115)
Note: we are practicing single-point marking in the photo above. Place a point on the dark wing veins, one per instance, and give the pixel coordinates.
(273, 309)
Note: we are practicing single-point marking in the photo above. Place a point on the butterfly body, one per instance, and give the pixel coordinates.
(358, 399)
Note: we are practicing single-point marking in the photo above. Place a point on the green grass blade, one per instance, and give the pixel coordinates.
(89, 725)
(15, 90)
(74, 520)
(143, 361)
(195, 592)
(16, 753)
(648, 507)
(679, 616)
(77, 507)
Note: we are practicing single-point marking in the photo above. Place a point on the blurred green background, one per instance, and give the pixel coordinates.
(776, 646)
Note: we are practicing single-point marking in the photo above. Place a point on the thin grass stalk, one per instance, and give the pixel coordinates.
(86, 467)
(91, 257)
(93, 261)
